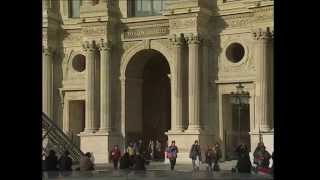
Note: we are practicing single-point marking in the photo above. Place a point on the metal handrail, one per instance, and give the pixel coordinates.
(58, 138)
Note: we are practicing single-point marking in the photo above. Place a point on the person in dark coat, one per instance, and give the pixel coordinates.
(65, 164)
(125, 161)
(115, 155)
(172, 153)
(218, 155)
(51, 163)
(210, 156)
(195, 155)
(139, 162)
(85, 163)
(244, 163)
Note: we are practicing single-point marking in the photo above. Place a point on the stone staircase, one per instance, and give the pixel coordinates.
(54, 138)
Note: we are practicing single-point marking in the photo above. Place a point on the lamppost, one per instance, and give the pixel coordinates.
(239, 98)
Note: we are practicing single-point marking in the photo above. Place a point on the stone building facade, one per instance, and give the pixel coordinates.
(116, 70)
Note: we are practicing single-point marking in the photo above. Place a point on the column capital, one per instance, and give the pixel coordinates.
(193, 39)
(105, 46)
(262, 34)
(207, 42)
(176, 40)
(89, 46)
(47, 50)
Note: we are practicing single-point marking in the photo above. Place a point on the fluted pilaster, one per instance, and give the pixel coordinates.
(262, 40)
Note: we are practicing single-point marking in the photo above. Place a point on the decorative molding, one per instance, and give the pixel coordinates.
(262, 34)
(183, 23)
(193, 39)
(176, 40)
(146, 43)
(146, 32)
(257, 15)
(89, 46)
(105, 46)
(94, 31)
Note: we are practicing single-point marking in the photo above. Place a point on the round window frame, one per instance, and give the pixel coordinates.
(245, 56)
(72, 63)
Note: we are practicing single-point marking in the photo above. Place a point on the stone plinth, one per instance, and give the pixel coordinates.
(99, 144)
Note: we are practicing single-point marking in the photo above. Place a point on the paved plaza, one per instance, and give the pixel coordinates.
(161, 171)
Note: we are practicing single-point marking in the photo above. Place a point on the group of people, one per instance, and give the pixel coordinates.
(212, 156)
(134, 158)
(54, 165)
(63, 165)
(261, 159)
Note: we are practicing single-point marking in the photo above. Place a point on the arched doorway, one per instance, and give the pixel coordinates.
(147, 97)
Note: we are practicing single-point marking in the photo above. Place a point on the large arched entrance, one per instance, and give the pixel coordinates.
(147, 97)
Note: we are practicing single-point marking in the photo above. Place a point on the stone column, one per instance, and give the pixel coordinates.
(105, 87)
(123, 107)
(194, 82)
(263, 83)
(176, 120)
(47, 82)
(204, 84)
(90, 50)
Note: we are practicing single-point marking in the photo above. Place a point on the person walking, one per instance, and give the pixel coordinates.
(115, 155)
(218, 155)
(172, 153)
(210, 156)
(158, 150)
(151, 149)
(131, 154)
(195, 155)
(65, 164)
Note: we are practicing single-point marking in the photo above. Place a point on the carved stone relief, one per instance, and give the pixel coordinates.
(94, 31)
(146, 32)
(183, 23)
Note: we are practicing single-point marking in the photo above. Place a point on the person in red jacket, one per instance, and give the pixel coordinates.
(115, 155)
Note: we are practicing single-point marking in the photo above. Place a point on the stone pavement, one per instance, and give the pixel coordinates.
(159, 170)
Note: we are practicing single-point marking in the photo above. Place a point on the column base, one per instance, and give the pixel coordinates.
(100, 144)
(88, 131)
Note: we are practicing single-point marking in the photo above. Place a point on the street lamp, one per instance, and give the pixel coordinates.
(239, 98)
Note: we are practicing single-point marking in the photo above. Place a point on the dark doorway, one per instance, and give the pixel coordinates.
(156, 99)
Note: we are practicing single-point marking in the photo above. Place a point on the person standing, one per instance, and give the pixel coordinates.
(172, 153)
(195, 155)
(158, 150)
(131, 154)
(115, 156)
(151, 149)
(210, 156)
(218, 155)
(65, 164)
(244, 163)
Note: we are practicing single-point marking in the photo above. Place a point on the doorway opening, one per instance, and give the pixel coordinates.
(76, 120)
(236, 126)
(148, 99)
